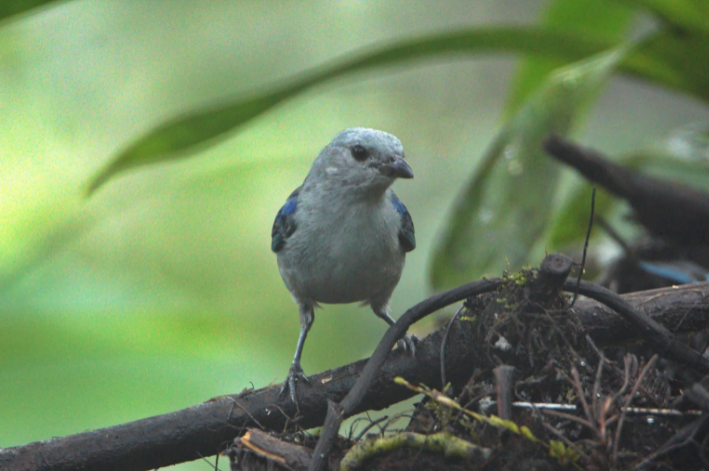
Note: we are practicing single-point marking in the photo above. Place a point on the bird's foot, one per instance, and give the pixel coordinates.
(408, 344)
(295, 373)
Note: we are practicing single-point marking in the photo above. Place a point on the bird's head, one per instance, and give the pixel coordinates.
(363, 158)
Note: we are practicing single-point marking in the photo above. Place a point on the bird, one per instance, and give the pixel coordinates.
(343, 235)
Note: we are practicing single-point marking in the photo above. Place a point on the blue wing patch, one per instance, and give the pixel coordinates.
(407, 237)
(680, 272)
(284, 226)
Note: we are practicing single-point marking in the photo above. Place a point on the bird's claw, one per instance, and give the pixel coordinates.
(295, 373)
(408, 344)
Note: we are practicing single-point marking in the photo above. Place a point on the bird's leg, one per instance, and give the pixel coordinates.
(307, 316)
(408, 343)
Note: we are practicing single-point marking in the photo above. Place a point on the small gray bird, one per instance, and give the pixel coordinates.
(343, 235)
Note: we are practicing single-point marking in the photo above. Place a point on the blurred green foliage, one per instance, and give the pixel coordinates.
(598, 19)
(13, 8)
(182, 134)
(505, 209)
(159, 290)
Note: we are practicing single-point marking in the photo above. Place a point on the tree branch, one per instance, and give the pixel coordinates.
(668, 209)
(205, 429)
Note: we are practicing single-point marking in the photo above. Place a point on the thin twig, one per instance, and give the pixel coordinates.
(680, 439)
(370, 425)
(246, 411)
(627, 361)
(213, 466)
(647, 367)
(582, 397)
(585, 248)
(354, 424)
(394, 419)
(603, 420)
(597, 382)
(593, 346)
(600, 414)
(443, 347)
(568, 442)
(564, 415)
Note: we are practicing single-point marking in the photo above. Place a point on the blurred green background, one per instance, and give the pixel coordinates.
(160, 290)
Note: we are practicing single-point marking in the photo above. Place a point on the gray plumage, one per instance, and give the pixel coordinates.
(342, 236)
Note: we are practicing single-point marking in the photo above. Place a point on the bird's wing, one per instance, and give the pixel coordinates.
(284, 225)
(407, 237)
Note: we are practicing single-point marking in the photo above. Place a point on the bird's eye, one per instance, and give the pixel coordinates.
(359, 153)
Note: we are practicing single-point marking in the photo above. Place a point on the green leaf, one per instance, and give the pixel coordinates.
(681, 14)
(597, 18)
(508, 424)
(171, 140)
(505, 208)
(10, 8)
(562, 453)
(680, 63)
(606, 19)
(524, 430)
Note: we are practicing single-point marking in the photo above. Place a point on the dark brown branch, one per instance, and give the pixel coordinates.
(648, 328)
(207, 428)
(666, 208)
(681, 309)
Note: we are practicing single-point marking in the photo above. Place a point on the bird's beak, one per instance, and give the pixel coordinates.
(397, 167)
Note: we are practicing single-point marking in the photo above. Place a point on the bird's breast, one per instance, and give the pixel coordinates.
(343, 256)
